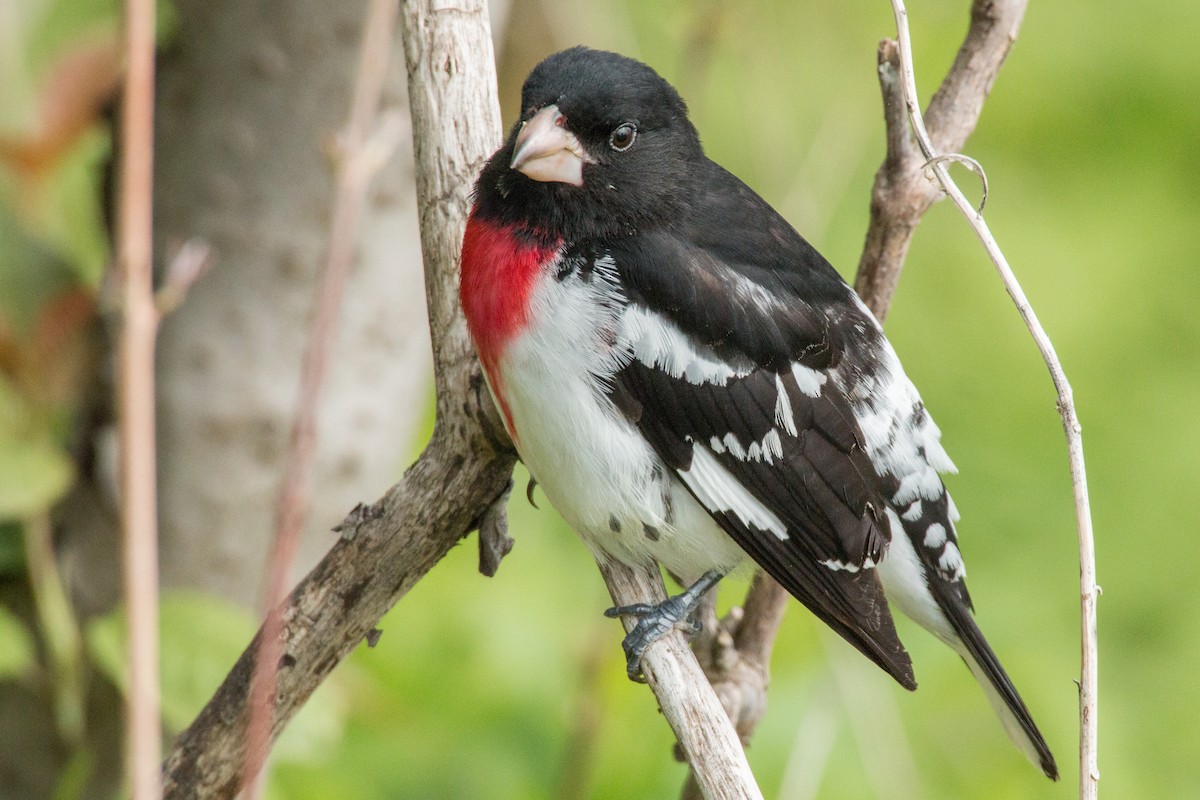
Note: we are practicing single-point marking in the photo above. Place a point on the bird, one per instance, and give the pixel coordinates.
(693, 385)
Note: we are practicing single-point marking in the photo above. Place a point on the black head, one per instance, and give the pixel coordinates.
(603, 147)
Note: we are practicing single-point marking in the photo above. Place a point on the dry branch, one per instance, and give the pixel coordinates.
(706, 737)
(135, 400)
(357, 161)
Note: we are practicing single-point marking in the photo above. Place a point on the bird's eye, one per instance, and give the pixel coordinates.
(622, 137)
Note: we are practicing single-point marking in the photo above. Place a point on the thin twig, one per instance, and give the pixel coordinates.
(1089, 772)
(361, 153)
(135, 400)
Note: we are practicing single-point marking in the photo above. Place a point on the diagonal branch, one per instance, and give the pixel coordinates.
(706, 737)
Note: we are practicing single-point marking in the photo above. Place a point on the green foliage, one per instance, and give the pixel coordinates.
(200, 639)
(16, 646)
(52, 244)
(514, 687)
(34, 471)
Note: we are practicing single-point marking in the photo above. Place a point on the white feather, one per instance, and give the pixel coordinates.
(719, 491)
(783, 408)
(935, 534)
(951, 562)
(809, 380)
(658, 343)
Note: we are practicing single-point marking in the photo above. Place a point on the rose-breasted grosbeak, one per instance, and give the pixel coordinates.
(690, 382)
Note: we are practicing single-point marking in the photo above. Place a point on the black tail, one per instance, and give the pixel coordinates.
(1009, 706)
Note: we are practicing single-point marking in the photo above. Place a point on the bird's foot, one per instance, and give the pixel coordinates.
(656, 621)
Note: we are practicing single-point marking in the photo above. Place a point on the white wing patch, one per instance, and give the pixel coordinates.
(719, 491)
(809, 380)
(783, 408)
(935, 535)
(836, 565)
(658, 343)
(769, 449)
(951, 562)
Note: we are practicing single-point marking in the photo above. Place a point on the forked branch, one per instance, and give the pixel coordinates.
(1089, 771)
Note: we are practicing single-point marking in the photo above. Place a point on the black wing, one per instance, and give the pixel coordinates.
(732, 332)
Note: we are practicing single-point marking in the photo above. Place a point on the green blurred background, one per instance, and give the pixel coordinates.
(513, 687)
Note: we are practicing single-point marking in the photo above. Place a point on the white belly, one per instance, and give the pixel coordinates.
(590, 461)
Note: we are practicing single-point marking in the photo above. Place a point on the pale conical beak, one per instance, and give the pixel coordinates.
(548, 152)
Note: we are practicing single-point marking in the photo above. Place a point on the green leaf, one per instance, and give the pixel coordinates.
(16, 645)
(70, 216)
(33, 474)
(201, 637)
(34, 470)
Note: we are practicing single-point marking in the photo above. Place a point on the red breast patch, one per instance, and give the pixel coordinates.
(499, 267)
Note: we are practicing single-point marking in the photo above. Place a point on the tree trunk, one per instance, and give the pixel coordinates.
(249, 95)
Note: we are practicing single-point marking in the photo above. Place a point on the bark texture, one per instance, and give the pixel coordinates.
(903, 192)
(249, 94)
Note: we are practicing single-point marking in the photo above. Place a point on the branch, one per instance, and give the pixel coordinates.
(358, 158)
(735, 654)
(1089, 771)
(901, 194)
(337, 604)
(700, 722)
(135, 400)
